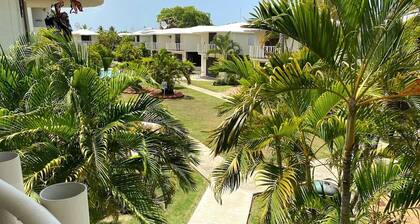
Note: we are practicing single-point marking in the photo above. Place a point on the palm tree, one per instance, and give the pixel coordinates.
(362, 51)
(224, 46)
(131, 153)
(299, 95)
(271, 136)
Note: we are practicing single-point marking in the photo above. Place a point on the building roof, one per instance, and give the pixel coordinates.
(126, 34)
(233, 28)
(84, 32)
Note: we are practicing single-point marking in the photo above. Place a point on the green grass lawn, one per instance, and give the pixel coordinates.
(209, 85)
(181, 208)
(197, 112)
(184, 203)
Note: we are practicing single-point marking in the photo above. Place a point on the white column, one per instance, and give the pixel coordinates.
(203, 64)
(30, 19)
(184, 56)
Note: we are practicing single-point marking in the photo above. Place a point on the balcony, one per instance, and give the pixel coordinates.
(262, 52)
(204, 48)
(174, 46)
(154, 46)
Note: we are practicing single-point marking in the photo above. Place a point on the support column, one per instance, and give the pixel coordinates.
(30, 20)
(203, 65)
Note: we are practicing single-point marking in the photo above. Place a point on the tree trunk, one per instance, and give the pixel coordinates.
(345, 209)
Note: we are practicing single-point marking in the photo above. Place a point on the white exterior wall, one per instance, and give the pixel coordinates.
(162, 40)
(243, 40)
(11, 23)
(190, 42)
(204, 38)
(78, 39)
(145, 39)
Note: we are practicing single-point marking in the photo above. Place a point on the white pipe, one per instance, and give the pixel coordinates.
(23, 207)
(67, 201)
(10, 172)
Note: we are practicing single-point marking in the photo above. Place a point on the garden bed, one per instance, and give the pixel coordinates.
(153, 92)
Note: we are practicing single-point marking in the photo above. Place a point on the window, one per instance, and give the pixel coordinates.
(86, 38)
(211, 37)
(251, 40)
(138, 38)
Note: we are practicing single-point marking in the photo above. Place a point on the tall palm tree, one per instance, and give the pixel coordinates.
(76, 127)
(271, 135)
(362, 51)
(272, 132)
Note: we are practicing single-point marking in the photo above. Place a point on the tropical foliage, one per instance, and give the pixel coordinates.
(126, 51)
(164, 66)
(68, 124)
(353, 89)
(183, 17)
(223, 46)
(109, 38)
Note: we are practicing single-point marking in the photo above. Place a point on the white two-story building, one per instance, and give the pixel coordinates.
(20, 17)
(84, 36)
(194, 43)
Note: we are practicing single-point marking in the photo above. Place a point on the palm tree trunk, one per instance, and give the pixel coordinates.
(345, 209)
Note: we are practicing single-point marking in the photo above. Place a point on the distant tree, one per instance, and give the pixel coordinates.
(100, 28)
(126, 51)
(84, 26)
(182, 17)
(109, 39)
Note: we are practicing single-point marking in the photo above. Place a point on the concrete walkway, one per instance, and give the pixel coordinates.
(205, 91)
(235, 207)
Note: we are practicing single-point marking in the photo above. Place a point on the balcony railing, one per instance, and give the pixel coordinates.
(174, 46)
(204, 48)
(86, 42)
(262, 52)
(155, 46)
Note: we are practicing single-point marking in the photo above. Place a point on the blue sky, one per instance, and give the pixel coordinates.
(133, 15)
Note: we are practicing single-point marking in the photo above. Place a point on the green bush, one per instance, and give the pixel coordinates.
(165, 67)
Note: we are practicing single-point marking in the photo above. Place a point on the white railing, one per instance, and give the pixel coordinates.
(174, 46)
(262, 52)
(204, 48)
(155, 46)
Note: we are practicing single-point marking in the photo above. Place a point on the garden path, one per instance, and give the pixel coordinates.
(221, 96)
(235, 206)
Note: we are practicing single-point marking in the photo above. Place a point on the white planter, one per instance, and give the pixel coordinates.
(21, 206)
(10, 169)
(11, 173)
(68, 202)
